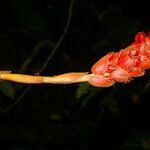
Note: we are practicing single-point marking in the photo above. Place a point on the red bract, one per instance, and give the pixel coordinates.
(124, 65)
(140, 37)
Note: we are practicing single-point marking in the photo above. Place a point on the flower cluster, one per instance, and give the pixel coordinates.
(124, 65)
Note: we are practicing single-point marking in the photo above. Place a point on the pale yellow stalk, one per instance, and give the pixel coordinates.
(67, 78)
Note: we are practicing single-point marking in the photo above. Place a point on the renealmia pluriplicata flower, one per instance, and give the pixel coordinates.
(124, 65)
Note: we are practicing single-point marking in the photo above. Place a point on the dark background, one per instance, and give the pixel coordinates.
(76, 116)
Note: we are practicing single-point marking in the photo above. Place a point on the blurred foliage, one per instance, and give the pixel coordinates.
(76, 116)
(7, 89)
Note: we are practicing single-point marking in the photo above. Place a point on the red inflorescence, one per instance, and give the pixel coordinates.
(124, 65)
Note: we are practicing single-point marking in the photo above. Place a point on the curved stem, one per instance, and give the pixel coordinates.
(60, 39)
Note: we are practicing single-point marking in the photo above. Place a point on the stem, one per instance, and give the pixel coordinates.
(67, 78)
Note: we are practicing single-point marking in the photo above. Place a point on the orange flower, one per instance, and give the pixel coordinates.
(122, 66)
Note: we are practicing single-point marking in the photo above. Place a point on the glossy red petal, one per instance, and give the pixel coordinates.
(126, 63)
(101, 66)
(101, 81)
(137, 72)
(140, 37)
(145, 62)
(120, 75)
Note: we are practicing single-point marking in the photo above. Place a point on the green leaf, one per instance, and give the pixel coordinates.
(7, 89)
